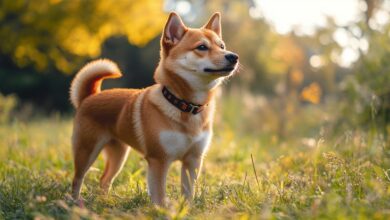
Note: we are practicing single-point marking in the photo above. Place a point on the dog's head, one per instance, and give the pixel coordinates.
(196, 53)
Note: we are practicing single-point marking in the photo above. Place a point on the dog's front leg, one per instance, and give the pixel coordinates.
(157, 173)
(189, 174)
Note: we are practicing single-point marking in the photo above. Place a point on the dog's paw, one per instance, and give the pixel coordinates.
(80, 203)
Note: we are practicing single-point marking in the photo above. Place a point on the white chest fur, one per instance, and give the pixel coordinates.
(177, 144)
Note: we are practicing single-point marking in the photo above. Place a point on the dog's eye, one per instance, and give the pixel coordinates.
(222, 46)
(202, 47)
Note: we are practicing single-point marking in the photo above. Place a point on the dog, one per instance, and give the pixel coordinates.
(168, 121)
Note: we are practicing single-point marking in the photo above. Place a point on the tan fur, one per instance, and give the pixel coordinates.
(112, 120)
(89, 79)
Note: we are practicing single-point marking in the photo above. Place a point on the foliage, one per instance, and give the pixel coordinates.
(367, 89)
(66, 33)
(7, 104)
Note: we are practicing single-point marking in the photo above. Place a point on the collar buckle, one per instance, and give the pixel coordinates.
(194, 109)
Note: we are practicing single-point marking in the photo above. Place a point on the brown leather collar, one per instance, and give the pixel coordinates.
(181, 104)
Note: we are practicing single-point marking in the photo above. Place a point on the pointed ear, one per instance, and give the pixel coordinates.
(174, 29)
(214, 24)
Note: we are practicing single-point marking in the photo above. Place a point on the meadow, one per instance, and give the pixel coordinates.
(247, 174)
(301, 130)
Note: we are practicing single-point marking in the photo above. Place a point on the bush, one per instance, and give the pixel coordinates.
(7, 104)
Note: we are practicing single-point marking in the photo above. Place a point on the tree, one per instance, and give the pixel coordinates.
(64, 34)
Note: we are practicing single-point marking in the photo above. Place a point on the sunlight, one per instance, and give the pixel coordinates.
(317, 61)
(348, 56)
(183, 7)
(304, 16)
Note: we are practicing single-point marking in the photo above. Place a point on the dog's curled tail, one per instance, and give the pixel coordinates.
(89, 79)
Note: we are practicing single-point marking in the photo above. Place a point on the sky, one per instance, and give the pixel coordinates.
(306, 15)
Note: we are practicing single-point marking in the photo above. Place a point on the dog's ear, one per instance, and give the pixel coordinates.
(174, 29)
(214, 24)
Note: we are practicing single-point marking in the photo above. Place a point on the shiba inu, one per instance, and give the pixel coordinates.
(170, 120)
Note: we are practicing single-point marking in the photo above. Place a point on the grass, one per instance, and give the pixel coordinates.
(246, 175)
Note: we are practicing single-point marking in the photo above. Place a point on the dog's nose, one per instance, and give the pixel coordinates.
(232, 58)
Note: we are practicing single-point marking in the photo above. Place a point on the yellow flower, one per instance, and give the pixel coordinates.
(312, 93)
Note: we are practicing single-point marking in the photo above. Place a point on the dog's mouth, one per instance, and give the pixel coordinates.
(223, 70)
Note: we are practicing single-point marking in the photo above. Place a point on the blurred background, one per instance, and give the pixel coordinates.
(311, 68)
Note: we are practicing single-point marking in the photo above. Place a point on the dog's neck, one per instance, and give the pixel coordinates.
(187, 86)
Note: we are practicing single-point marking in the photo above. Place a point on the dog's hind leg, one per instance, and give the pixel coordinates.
(85, 150)
(115, 154)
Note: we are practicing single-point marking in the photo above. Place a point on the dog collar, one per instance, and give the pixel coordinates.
(181, 104)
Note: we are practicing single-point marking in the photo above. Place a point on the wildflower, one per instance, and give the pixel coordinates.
(40, 198)
(312, 93)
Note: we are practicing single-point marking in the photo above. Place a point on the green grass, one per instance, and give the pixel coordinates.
(345, 177)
